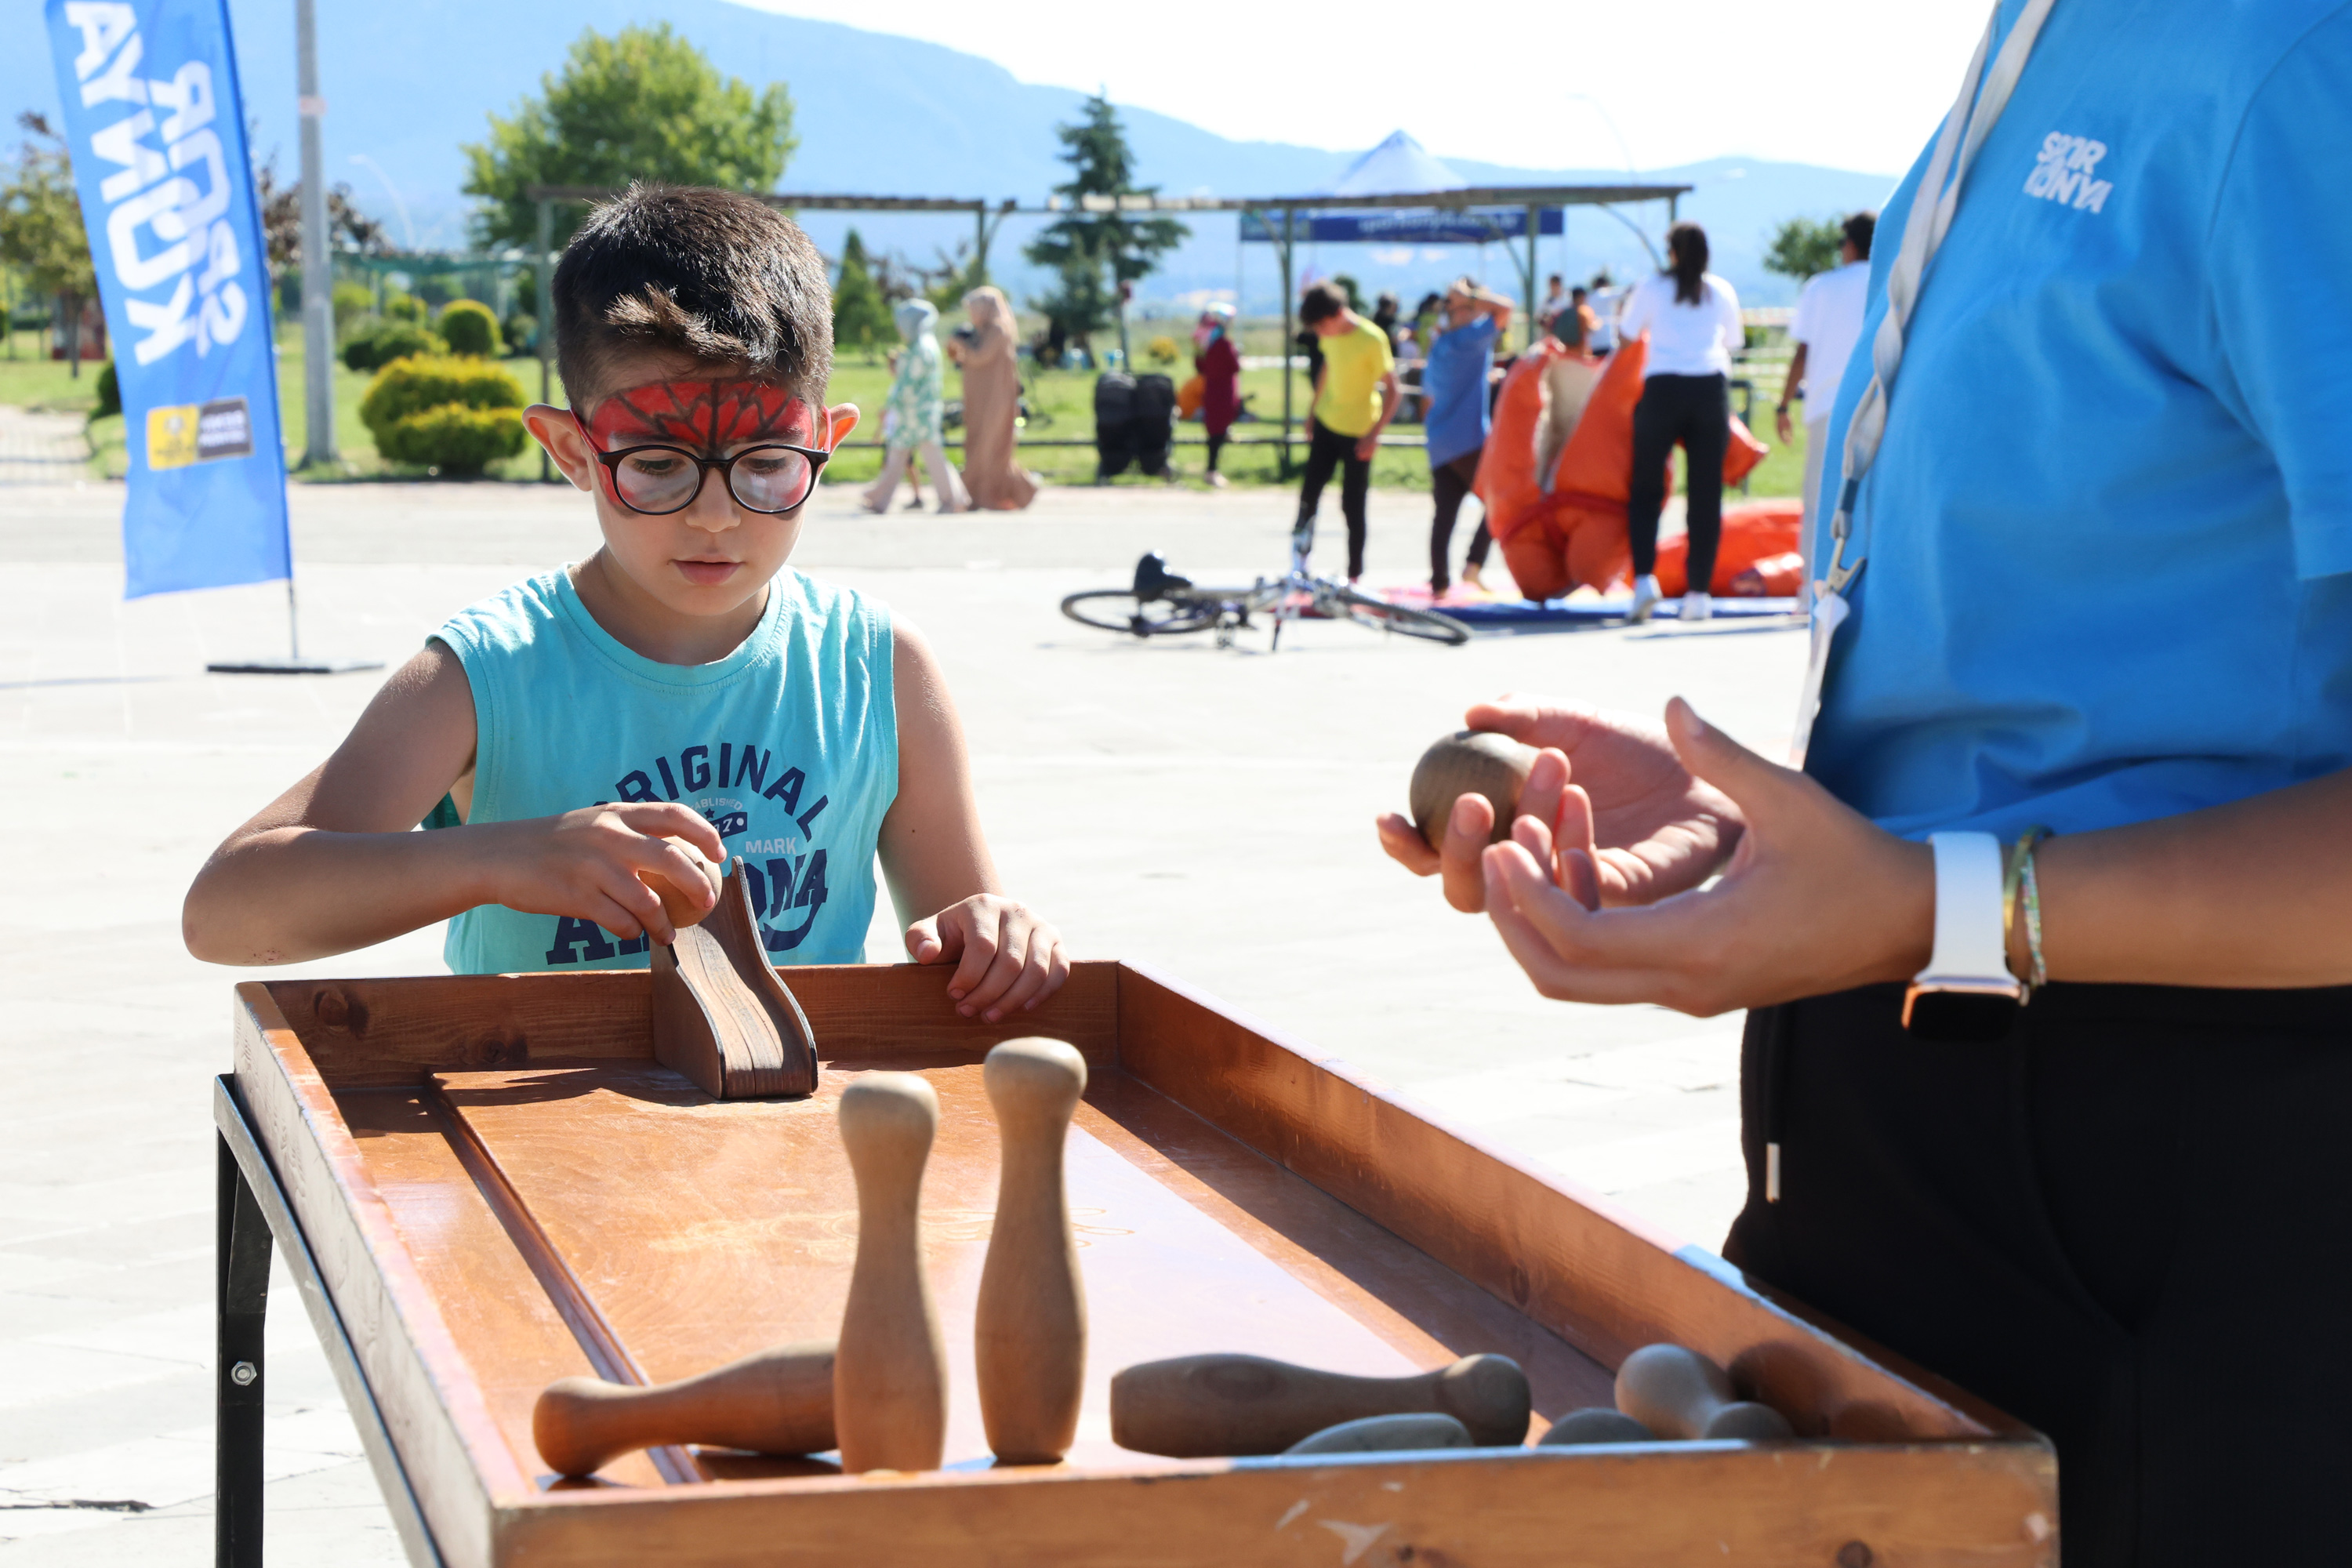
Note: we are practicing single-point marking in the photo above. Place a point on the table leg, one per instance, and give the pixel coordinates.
(241, 1303)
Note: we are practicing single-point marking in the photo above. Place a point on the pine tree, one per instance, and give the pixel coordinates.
(1083, 246)
(861, 320)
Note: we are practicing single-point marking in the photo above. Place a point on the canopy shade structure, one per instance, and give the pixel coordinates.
(1398, 163)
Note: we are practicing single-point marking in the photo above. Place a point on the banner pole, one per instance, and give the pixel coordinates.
(293, 623)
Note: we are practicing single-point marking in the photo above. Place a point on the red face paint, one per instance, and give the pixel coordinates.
(709, 417)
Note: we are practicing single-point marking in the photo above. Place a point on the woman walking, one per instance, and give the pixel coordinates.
(1218, 361)
(1691, 316)
(992, 405)
(1454, 381)
(914, 410)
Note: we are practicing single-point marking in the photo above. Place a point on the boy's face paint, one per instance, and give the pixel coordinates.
(711, 417)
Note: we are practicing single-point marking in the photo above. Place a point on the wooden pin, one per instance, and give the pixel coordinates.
(1597, 1425)
(1380, 1434)
(1469, 762)
(722, 1016)
(890, 1376)
(1031, 1324)
(777, 1402)
(1202, 1407)
(1679, 1393)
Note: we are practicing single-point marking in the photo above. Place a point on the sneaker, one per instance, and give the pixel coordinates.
(1216, 480)
(1696, 607)
(1646, 599)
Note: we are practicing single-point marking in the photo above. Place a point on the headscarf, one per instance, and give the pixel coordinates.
(915, 318)
(912, 415)
(1214, 317)
(987, 307)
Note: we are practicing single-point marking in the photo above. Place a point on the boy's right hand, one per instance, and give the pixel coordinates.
(597, 863)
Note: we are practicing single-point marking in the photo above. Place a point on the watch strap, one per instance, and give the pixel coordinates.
(1969, 942)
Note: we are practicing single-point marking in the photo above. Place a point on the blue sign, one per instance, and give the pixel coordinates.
(1406, 225)
(157, 128)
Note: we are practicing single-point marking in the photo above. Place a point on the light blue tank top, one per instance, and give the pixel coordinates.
(789, 745)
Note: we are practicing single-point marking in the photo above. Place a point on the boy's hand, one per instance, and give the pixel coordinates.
(597, 863)
(1005, 956)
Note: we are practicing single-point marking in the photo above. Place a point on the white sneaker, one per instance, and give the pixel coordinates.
(1696, 607)
(1646, 599)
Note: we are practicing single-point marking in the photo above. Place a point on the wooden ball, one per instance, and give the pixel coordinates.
(1469, 762)
(679, 902)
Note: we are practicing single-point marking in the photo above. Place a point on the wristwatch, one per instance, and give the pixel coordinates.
(1966, 995)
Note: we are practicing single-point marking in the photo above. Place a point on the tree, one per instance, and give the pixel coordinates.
(1081, 246)
(644, 104)
(1803, 247)
(861, 318)
(41, 233)
(348, 228)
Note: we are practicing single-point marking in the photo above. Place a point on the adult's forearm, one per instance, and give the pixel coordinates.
(2255, 894)
(294, 893)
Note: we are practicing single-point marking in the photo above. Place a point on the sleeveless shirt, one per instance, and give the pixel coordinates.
(789, 746)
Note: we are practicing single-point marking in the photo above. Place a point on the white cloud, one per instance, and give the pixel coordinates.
(1853, 84)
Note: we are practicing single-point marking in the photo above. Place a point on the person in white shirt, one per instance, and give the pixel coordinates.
(1692, 318)
(1828, 325)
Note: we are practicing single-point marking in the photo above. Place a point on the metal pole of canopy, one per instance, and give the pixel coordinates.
(545, 335)
(1534, 224)
(1289, 215)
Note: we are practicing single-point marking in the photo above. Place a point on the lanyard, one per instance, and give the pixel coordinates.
(1930, 218)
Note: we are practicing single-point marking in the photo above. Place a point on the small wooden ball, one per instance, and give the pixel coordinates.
(678, 903)
(1469, 762)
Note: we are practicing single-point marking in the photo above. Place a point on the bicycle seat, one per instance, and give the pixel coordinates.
(1152, 578)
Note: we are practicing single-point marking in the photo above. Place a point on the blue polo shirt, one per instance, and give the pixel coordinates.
(2110, 527)
(1455, 381)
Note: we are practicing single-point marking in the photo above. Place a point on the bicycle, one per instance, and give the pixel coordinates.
(1160, 603)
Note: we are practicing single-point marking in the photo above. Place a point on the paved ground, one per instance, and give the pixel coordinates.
(1209, 811)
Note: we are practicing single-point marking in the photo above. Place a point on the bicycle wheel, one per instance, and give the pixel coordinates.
(1117, 610)
(1382, 615)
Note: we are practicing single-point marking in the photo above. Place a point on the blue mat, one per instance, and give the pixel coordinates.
(1602, 612)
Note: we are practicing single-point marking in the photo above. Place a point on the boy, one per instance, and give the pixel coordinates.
(1356, 396)
(678, 684)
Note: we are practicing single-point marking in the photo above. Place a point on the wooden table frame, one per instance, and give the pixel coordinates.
(1895, 1458)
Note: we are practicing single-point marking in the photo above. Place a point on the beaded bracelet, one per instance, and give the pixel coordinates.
(2017, 878)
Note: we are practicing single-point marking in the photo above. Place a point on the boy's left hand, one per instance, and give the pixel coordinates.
(1005, 956)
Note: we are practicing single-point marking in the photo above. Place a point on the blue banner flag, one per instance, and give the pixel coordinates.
(1405, 225)
(157, 128)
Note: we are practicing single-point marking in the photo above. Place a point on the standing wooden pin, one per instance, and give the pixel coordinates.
(1032, 1319)
(889, 1375)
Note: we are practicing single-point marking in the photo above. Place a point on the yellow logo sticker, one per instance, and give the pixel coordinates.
(171, 436)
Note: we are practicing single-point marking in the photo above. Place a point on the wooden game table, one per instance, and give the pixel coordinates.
(483, 1184)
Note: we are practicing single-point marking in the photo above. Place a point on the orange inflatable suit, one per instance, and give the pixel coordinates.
(1571, 533)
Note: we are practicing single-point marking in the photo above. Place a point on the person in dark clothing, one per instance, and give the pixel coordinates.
(1691, 316)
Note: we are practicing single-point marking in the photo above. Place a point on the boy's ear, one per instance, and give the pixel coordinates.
(840, 420)
(555, 429)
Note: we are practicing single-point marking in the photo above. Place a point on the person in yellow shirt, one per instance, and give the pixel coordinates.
(1355, 397)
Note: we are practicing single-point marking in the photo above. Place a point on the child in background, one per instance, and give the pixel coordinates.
(681, 683)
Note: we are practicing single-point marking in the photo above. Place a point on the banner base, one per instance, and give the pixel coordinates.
(292, 665)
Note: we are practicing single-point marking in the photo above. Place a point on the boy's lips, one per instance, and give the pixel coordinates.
(707, 572)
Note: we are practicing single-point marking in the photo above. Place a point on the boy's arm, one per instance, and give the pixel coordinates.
(332, 864)
(936, 858)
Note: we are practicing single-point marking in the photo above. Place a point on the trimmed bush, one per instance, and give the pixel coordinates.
(456, 415)
(399, 305)
(377, 344)
(110, 393)
(352, 303)
(522, 331)
(469, 328)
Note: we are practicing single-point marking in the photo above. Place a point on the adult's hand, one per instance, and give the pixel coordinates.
(1656, 830)
(1816, 898)
(1780, 423)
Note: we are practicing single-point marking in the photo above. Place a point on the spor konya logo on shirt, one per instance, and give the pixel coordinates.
(2065, 171)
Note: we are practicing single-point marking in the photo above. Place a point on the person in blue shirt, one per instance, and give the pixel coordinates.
(1454, 383)
(2107, 591)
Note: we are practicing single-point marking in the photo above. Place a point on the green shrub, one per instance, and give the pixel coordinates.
(522, 331)
(374, 346)
(469, 328)
(110, 393)
(456, 415)
(399, 305)
(352, 301)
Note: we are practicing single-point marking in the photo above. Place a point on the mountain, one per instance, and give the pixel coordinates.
(879, 114)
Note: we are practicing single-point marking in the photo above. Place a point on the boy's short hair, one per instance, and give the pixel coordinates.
(1323, 301)
(1858, 231)
(711, 275)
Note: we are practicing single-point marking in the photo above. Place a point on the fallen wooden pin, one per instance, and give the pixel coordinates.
(722, 1018)
(776, 1402)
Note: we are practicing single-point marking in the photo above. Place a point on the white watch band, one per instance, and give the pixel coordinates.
(1969, 942)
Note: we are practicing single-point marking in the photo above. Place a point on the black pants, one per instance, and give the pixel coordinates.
(1450, 482)
(1330, 449)
(2128, 1224)
(1695, 412)
(1216, 445)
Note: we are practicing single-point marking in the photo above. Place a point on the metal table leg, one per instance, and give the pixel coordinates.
(240, 1305)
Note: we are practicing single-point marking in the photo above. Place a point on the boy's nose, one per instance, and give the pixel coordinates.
(714, 510)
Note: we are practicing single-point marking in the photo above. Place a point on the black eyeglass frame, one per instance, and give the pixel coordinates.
(726, 467)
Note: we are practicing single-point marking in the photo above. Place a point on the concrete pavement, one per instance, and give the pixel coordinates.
(1209, 811)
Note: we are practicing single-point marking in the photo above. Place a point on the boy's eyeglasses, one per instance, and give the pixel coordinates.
(660, 479)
